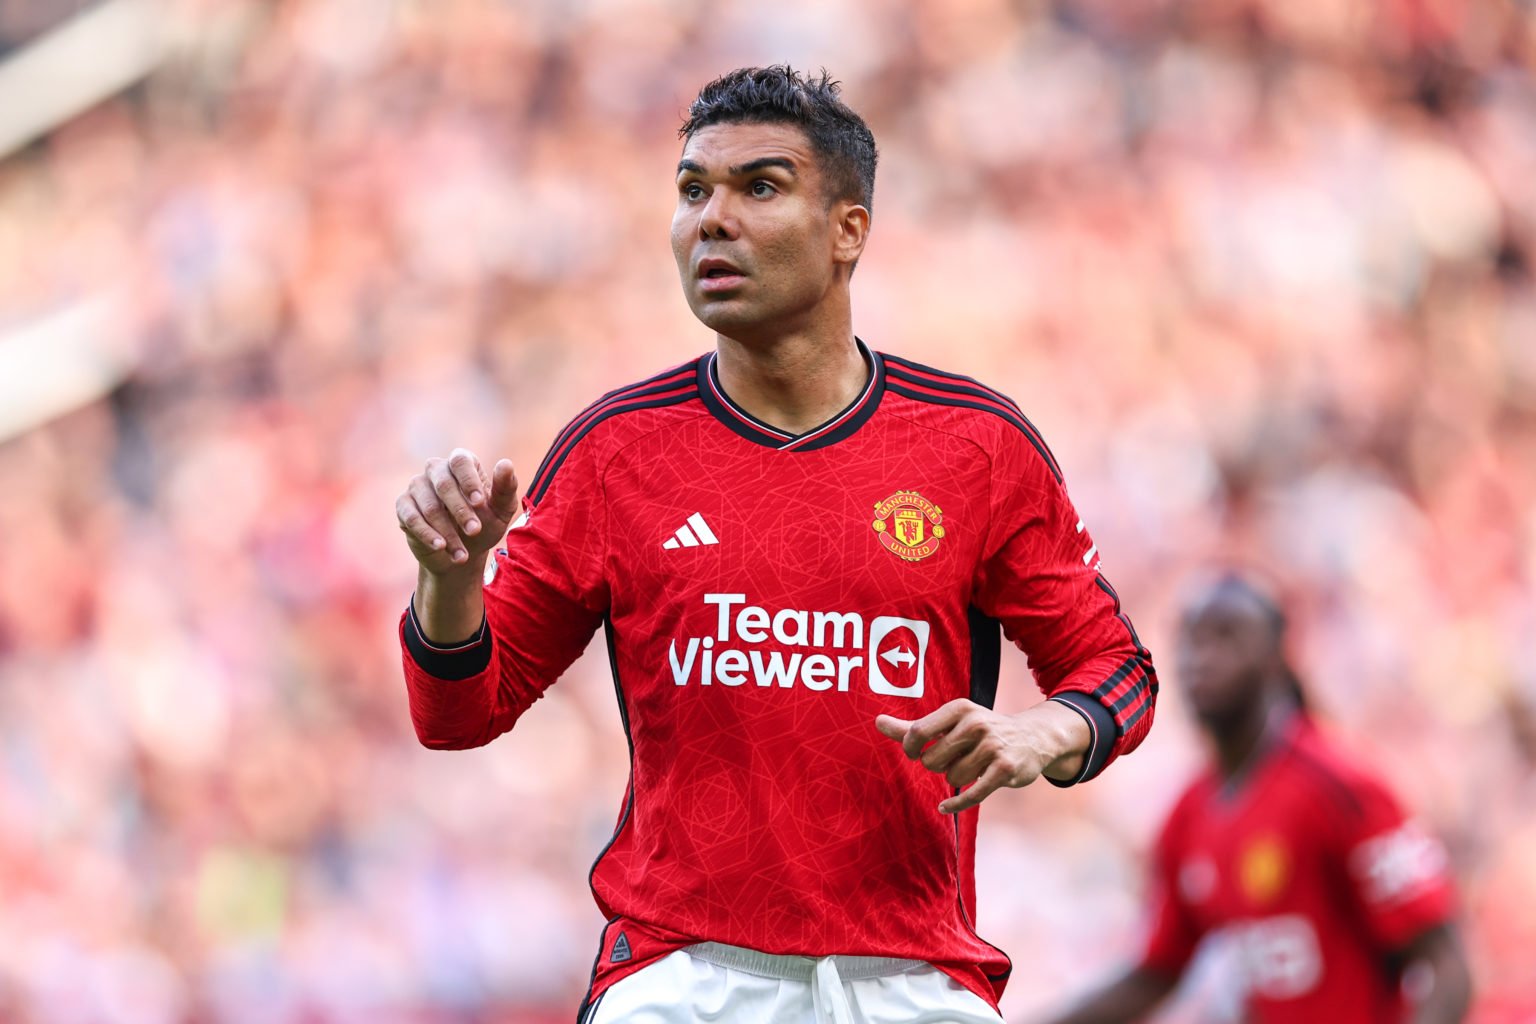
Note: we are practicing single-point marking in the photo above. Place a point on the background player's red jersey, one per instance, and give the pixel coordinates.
(764, 597)
(1310, 867)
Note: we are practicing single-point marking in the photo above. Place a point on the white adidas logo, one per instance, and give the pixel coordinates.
(692, 538)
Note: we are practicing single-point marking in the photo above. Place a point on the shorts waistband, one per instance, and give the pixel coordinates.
(797, 968)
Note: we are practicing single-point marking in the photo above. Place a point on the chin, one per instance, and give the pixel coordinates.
(729, 317)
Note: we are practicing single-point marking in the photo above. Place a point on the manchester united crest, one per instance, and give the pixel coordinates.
(1263, 869)
(909, 525)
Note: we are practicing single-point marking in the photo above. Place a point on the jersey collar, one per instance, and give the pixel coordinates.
(1281, 728)
(843, 425)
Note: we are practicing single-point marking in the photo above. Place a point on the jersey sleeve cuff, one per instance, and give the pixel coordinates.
(1101, 735)
(454, 661)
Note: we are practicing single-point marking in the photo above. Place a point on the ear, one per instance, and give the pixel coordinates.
(850, 230)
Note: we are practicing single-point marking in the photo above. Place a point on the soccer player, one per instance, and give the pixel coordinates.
(1332, 898)
(802, 554)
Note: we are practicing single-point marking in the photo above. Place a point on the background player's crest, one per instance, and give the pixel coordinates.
(909, 525)
(1262, 869)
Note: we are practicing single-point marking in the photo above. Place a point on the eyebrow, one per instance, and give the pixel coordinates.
(761, 163)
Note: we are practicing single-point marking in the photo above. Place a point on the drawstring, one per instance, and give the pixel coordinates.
(825, 974)
(827, 996)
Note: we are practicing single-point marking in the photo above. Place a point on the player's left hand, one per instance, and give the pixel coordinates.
(969, 743)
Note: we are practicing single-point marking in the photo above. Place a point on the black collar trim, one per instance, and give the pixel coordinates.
(843, 425)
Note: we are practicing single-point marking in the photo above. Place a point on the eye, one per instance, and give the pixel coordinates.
(692, 191)
(762, 189)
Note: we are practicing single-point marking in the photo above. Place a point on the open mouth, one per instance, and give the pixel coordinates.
(716, 275)
(713, 268)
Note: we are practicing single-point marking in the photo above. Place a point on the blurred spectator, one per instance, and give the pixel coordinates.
(1261, 270)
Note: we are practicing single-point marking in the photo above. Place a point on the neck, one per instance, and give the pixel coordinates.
(1238, 744)
(797, 380)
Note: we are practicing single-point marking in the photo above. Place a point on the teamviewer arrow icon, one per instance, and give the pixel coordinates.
(897, 651)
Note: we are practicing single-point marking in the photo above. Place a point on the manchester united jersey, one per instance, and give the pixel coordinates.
(764, 596)
(1311, 870)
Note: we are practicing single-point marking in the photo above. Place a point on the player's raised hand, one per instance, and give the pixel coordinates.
(453, 512)
(971, 745)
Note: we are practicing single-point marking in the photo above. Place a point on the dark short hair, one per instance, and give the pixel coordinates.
(1273, 609)
(781, 95)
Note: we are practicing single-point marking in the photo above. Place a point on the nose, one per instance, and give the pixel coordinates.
(717, 220)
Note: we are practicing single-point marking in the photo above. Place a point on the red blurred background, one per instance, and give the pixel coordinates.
(1260, 271)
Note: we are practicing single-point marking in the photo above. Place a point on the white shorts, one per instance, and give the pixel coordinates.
(712, 982)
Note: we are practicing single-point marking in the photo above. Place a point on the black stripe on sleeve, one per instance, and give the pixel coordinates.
(1135, 668)
(959, 378)
(1104, 689)
(555, 462)
(894, 383)
(1103, 585)
(1143, 658)
(954, 383)
(447, 661)
(1139, 691)
(1129, 697)
(615, 397)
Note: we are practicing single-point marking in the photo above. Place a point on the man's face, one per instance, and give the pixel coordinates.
(1226, 649)
(755, 240)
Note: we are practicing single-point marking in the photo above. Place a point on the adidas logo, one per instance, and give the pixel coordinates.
(690, 535)
(621, 951)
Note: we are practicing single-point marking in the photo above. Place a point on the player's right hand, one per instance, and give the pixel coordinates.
(453, 512)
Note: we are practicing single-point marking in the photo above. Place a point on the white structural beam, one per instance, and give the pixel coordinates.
(75, 65)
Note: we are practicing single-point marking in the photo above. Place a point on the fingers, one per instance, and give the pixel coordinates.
(953, 746)
(968, 744)
(430, 505)
(445, 482)
(937, 739)
(415, 524)
(449, 505)
(995, 778)
(465, 468)
(967, 769)
(503, 491)
(930, 727)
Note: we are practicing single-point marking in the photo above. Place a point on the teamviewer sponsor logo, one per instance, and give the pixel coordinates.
(792, 647)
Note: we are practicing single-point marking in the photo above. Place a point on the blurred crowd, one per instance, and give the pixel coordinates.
(1261, 270)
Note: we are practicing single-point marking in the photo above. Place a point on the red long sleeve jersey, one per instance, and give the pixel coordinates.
(764, 596)
(1313, 873)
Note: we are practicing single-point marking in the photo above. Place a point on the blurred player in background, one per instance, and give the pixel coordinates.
(1339, 907)
(801, 552)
